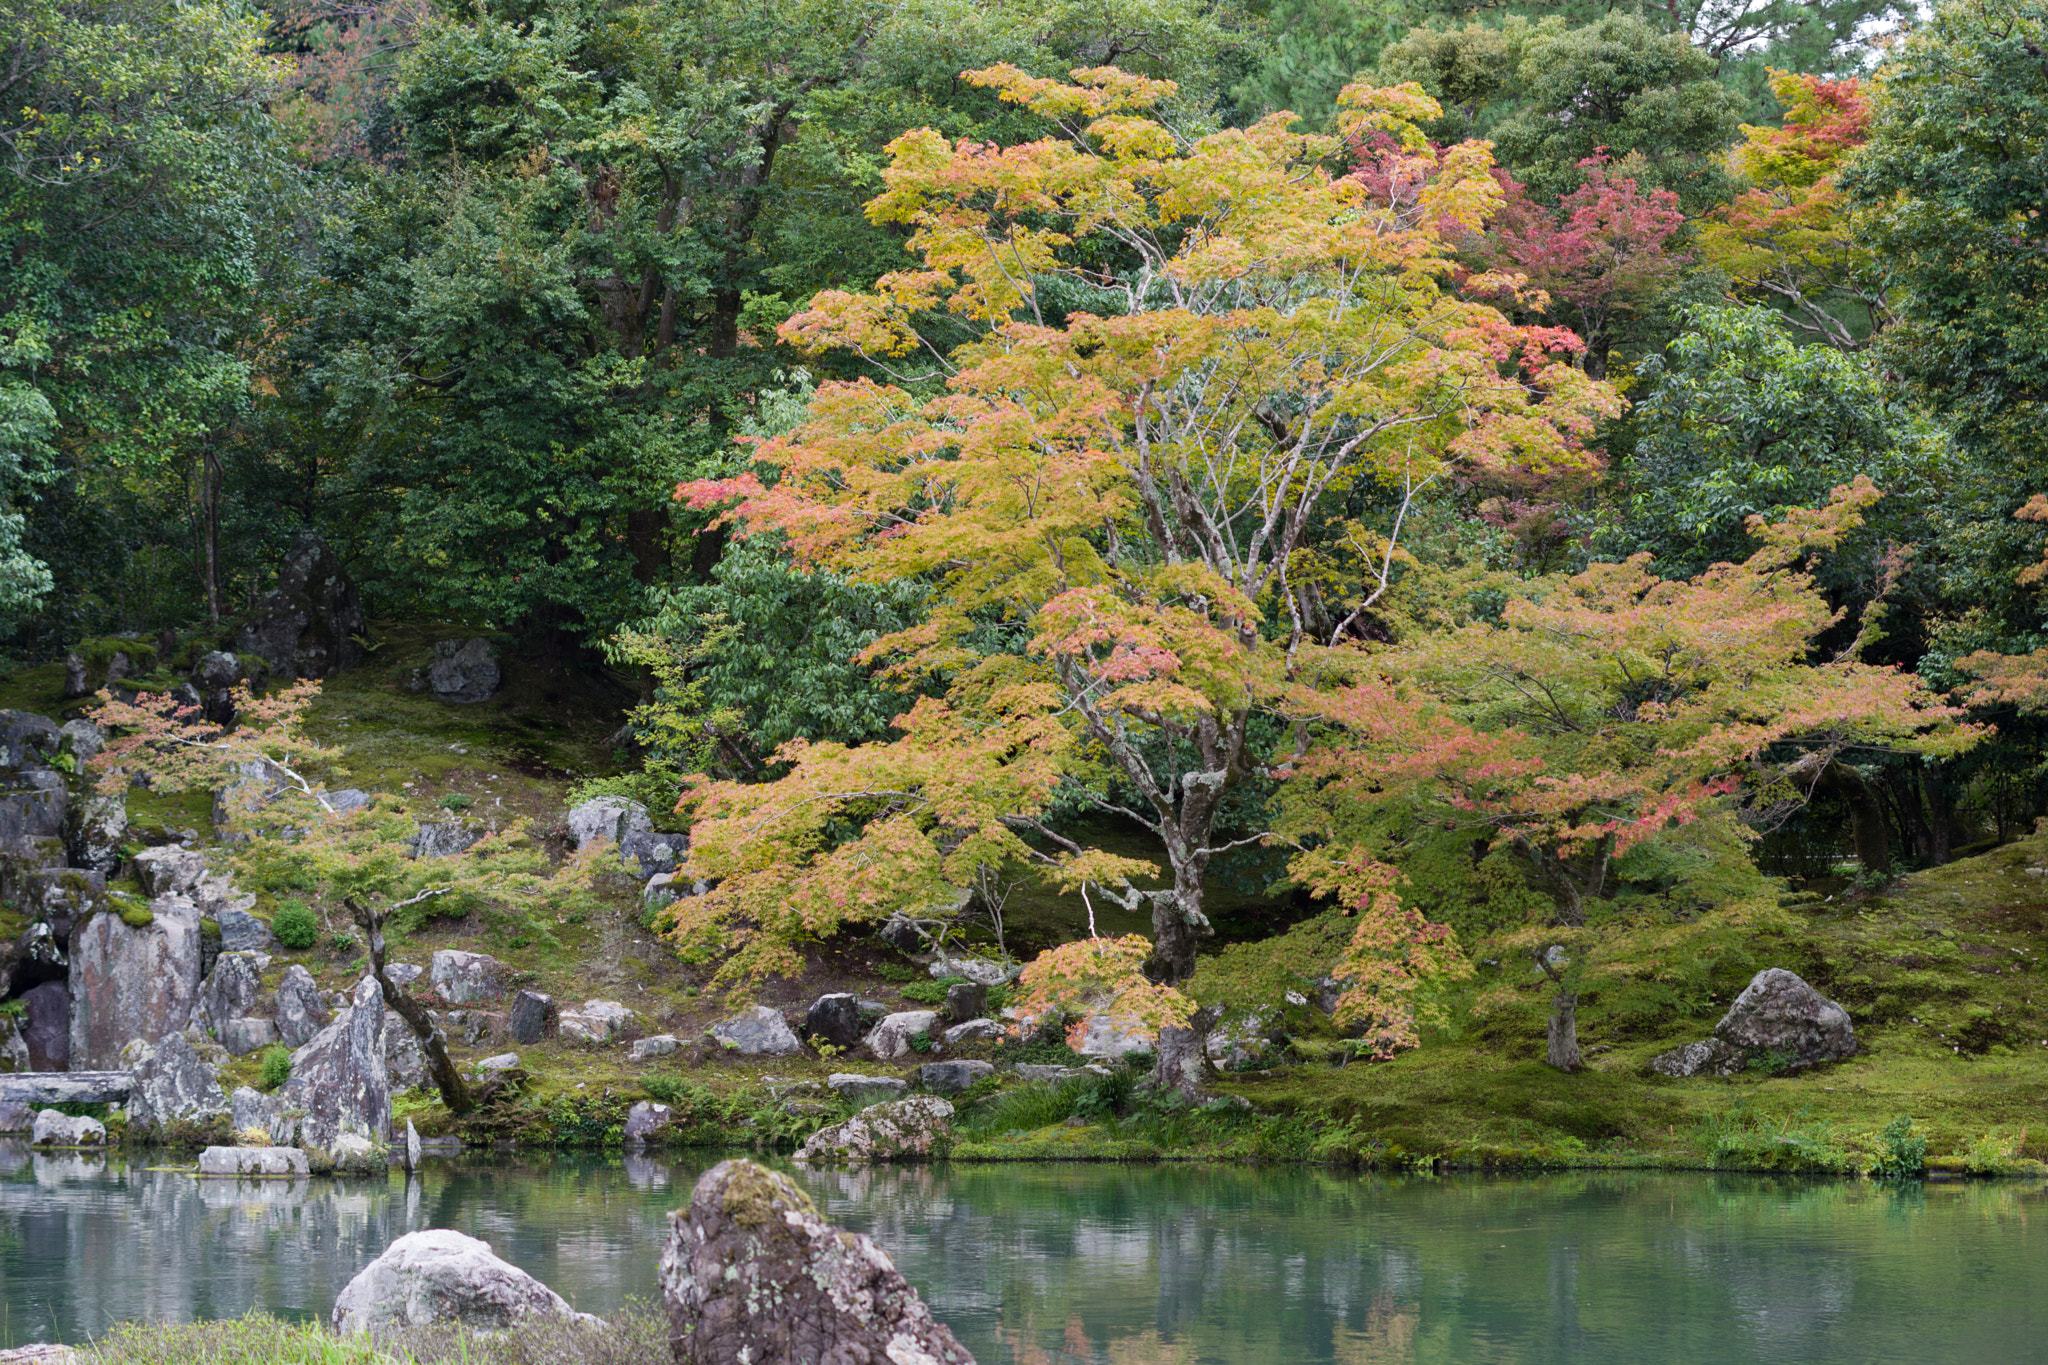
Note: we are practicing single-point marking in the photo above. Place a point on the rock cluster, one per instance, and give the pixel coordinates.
(751, 1272)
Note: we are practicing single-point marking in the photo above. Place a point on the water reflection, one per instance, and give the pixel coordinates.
(1055, 1265)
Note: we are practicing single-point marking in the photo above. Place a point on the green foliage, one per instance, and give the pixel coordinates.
(457, 801)
(295, 925)
(13, 1009)
(624, 1338)
(931, 992)
(1901, 1152)
(276, 1068)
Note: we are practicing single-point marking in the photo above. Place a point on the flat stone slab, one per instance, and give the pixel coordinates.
(253, 1161)
(66, 1087)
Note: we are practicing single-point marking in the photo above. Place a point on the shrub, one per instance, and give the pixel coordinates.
(295, 925)
(457, 801)
(1901, 1152)
(277, 1067)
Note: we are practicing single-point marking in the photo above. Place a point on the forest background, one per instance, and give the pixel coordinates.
(1572, 468)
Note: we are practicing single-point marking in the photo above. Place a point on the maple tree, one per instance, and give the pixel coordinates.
(1789, 238)
(1602, 710)
(1132, 520)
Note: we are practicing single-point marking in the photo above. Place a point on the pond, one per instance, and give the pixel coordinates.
(1128, 1265)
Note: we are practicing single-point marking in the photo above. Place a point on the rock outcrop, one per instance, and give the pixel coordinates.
(752, 1272)
(442, 1276)
(230, 991)
(891, 1038)
(174, 1086)
(466, 978)
(463, 672)
(339, 1081)
(308, 626)
(132, 981)
(950, 1078)
(253, 1162)
(862, 1090)
(917, 1127)
(1778, 1022)
(647, 1121)
(610, 818)
(531, 1017)
(757, 1032)
(53, 1129)
(598, 1022)
(168, 870)
(301, 1012)
(835, 1019)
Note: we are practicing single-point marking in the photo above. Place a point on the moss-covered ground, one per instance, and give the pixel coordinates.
(1940, 973)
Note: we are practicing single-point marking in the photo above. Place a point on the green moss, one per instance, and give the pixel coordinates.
(755, 1196)
(135, 916)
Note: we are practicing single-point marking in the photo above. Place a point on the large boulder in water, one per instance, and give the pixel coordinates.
(132, 981)
(307, 627)
(174, 1087)
(339, 1082)
(1778, 1022)
(921, 1126)
(439, 1276)
(751, 1271)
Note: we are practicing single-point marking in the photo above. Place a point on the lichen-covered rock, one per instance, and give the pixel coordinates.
(46, 1026)
(751, 1272)
(598, 1022)
(891, 1038)
(242, 932)
(647, 1049)
(16, 1117)
(215, 676)
(174, 1086)
(81, 739)
(1047, 1074)
(950, 1078)
(966, 1000)
(28, 741)
(835, 1019)
(921, 1126)
(405, 1061)
(95, 830)
(338, 1079)
(270, 1113)
(246, 1034)
(168, 870)
(757, 1032)
(53, 1129)
(255, 1162)
(466, 978)
(1778, 1022)
(975, 1031)
(647, 1121)
(652, 853)
(462, 672)
(443, 838)
(610, 818)
(229, 991)
(132, 981)
(1104, 1035)
(412, 1146)
(33, 805)
(301, 1012)
(531, 1016)
(62, 898)
(440, 1276)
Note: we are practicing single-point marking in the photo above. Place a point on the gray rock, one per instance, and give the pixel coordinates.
(338, 1079)
(1053, 1075)
(405, 1061)
(861, 1090)
(531, 1015)
(95, 831)
(27, 741)
(504, 1061)
(979, 970)
(348, 799)
(440, 1276)
(647, 1121)
(33, 805)
(610, 818)
(250, 1109)
(301, 1012)
(873, 1012)
(1778, 1022)
(595, 1024)
(13, 1049)
(242, 932)
(466, 978)
(173, 1085)
(357, 1155)
(966, 1000)
(650, 852)
(835, 1019)
(53, 1129)
(81, 738)
(463, 672)
(752, 1272)
(950, 1078)
(309, 626)
(132, 982)
(920, 1126)
(244, 1036)
(168, 870)
(16, 1117)
(757, 1032)
(890, 1039)
(215, 677)
(404, 973)
(647, 1049)
(443, 838)
(46, 1027)
(254, 1162)
(900, 934)
(975, 1031)
(412, 1146)
(662, 890)
(1104, 1035)
(62, 898)
(229, 991)
(472, 1026)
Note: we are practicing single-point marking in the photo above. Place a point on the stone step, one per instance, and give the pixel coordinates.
(66, 1087)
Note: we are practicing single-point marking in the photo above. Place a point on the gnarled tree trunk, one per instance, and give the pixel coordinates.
(433, 1043)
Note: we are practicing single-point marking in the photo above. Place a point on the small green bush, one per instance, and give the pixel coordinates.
(931, 992)
(457, 801)
(296, 926)
(1901, 1152)
(277, 1067)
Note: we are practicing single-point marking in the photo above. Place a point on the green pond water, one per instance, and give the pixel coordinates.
(1128, 1265)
